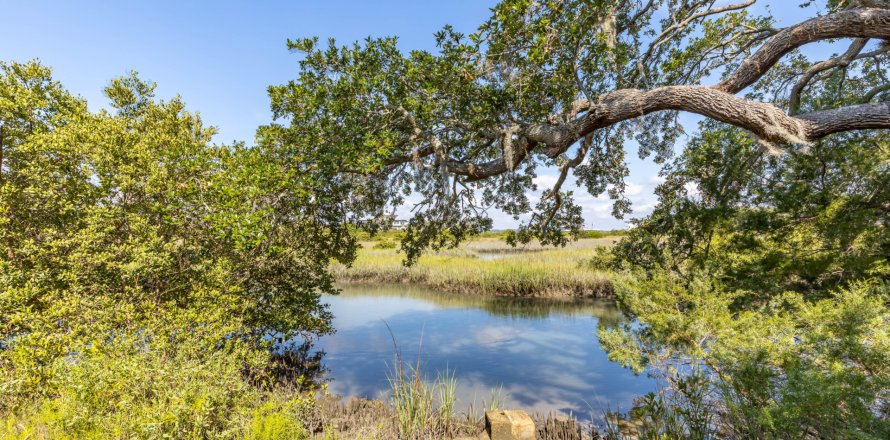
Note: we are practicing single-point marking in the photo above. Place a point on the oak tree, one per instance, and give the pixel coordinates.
(563, 84)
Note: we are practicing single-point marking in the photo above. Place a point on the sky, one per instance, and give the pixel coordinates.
(221, 56)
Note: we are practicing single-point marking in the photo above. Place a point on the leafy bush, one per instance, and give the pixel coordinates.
(603, 259)
(384, 244)
(142, 268)
(129, 387)
(277, 420)
(795, 365)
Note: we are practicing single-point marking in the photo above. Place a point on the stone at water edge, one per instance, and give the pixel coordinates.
(509, 425)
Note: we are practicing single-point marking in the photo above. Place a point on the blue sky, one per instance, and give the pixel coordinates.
(220, 56)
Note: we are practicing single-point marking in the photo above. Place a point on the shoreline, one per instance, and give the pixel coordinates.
(605, 293)
(358, 417)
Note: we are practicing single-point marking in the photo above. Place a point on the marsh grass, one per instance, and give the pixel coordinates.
(488, 267)
(422, 409)
(447, 389)
(496, 400)
(412, 399)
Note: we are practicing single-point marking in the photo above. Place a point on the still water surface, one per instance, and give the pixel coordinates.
(543, 354)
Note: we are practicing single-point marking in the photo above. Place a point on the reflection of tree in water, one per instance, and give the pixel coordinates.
(506, 306)
(514, 307)
(296, 364)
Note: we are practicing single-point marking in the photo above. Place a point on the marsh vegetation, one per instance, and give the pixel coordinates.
(488, 266)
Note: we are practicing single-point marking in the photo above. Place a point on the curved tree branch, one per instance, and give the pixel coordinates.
(858, 117)
(875, 91)
(718, 102)
(841, 61)
(858, 23)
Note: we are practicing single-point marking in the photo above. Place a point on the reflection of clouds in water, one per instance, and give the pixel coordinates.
(372, 342)
(550, 363)
(475, 392)
(362, 311)
(492, 336)
(566, 361)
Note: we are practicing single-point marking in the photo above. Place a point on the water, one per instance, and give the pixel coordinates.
(544, 355)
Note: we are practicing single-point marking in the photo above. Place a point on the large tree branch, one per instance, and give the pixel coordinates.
(718, 102)
(858, 117)
(766, 121)
(858, 23)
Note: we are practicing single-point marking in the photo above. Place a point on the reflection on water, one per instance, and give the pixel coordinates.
(544, 353)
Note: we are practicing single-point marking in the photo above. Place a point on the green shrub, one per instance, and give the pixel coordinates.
(384, 244)
(143, 268)
(795, 365)
(603, 259)
(130, 387)
(276, 420)
(133, 388)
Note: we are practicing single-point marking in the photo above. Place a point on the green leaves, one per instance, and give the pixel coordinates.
(130, 94)
(132, 227)
(777, 270)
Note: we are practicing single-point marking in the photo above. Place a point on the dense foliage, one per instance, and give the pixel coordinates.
(772, 273)
(146, 273)
(771, 268)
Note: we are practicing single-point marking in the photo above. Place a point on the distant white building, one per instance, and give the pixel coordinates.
(393, 222)
(399, 224)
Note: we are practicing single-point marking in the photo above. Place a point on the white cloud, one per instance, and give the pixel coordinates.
(601, 210)
(545, 181)
(632, 189)
(656, 180)
(644, 209)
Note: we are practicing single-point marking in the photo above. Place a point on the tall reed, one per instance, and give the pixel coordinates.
(412, 399)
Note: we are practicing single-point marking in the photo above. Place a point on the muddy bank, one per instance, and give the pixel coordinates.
(359, 418)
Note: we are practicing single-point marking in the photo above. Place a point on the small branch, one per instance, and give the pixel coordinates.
(841, 61)
(677, 27)
(875, 91)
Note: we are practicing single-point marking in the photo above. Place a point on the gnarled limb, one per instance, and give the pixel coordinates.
(858, 117)
(854, 23)
(718, 102)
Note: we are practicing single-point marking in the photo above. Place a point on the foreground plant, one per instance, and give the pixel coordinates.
(134, 251)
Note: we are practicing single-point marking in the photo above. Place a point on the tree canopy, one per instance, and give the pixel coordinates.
(565, 84)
